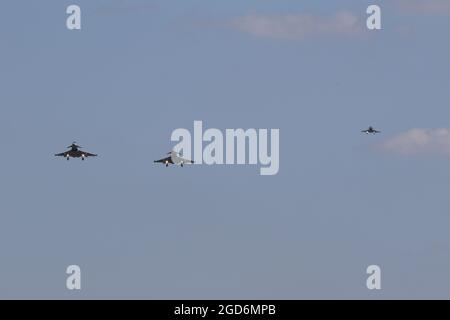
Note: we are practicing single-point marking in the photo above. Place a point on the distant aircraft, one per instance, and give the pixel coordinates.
(370, 130)
(75, 152)
(174, 158)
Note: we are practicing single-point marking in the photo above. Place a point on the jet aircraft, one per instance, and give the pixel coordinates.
(174, 158)
(75, 152)
(370, 130)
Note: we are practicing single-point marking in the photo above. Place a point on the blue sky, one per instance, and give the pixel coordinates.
(140, 69)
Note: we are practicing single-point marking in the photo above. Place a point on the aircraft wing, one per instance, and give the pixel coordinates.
(376, 131)
(168, 159)
(64, 154)
(87, 154)
(187, 160)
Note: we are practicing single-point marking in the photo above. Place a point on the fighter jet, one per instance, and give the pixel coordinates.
(174, 158)
(370, 130)
(75, 152)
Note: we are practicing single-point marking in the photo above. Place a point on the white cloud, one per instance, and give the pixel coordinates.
(424, 6)
(298, 26)
(418, 141)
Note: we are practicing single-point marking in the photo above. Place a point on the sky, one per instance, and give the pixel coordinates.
(137, 70)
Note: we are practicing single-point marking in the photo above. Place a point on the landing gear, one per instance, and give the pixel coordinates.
(68, 158)
(182, 164)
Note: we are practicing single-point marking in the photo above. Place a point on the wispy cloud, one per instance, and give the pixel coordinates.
(418, 141)
(424, 6)
(298, 26)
